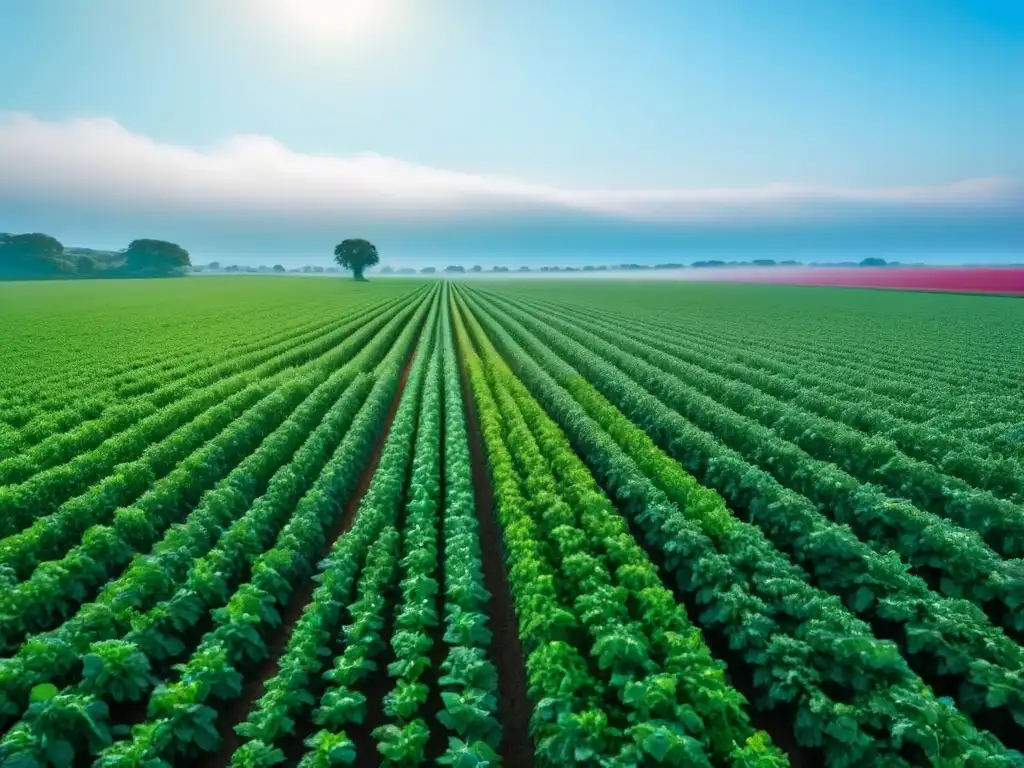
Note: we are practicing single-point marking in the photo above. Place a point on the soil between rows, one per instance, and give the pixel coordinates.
(253, 688)
(506, 651)
(778, 722)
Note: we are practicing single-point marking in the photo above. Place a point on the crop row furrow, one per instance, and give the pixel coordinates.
(469, 682)
(966, 564)
(673, 691)
(131, 408)
(181, 719)
(162, 595)
(290, 696)
(917, 395)
(150, 448)
(944, 637)
(972, 463)
(854, 696)
(43, 407)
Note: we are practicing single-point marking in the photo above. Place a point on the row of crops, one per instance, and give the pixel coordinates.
(870, 596)
(436, 523)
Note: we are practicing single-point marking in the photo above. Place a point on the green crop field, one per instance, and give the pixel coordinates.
(258, 521)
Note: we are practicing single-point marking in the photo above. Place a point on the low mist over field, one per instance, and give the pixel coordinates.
(250, 198)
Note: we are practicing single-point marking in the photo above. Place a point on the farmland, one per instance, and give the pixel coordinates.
(985, 280)
(258, 522)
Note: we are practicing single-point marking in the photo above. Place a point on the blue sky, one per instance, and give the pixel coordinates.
(542, 129)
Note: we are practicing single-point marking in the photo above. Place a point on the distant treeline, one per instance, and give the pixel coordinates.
(217, 267)
(458, 269)
(37, 256)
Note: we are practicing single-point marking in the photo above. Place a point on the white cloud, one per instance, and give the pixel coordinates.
(98, 162)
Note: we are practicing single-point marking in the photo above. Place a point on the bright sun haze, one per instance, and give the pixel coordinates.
(335, 21)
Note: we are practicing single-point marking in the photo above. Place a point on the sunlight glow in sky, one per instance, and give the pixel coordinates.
(335, 22)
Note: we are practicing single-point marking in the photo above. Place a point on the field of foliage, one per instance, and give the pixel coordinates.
(260, 522)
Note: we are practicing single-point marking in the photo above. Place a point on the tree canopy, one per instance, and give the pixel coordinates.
(85, 265)
(36, 255)
(31, 255)
(356, 255)
(155, 257)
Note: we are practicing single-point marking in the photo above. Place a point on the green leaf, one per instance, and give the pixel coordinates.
(20, 761)
(862, 599)
(43, 692)
(462, 755)
(60, 752)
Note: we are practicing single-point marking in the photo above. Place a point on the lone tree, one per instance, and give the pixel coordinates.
(356, 254)
(155, 257)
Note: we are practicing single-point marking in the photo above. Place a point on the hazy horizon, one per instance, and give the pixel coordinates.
(487, 262)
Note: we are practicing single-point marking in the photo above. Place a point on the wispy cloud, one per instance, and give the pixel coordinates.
(99, 163)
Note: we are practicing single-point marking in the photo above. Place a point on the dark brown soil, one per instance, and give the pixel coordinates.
(236, 711)
(376, 687)
(506, 652)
